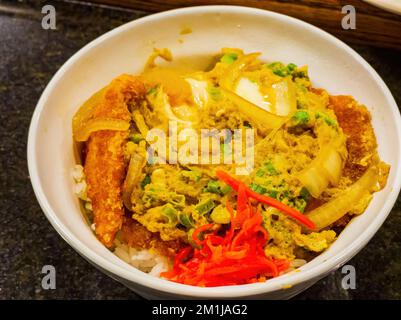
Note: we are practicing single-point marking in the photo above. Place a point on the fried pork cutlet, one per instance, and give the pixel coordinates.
(105, 167)
(355, 121)
(137, 236)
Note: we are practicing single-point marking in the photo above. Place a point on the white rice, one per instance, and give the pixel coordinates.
(80, 185)
(78, 172)
(294, 265)
(88, 206)
(144, 260)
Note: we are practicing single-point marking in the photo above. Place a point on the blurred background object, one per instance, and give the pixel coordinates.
(373, 26)
(389, 5)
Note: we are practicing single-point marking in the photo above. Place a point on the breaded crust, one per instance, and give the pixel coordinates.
(355, 121)
(137, 236)
(104, 166)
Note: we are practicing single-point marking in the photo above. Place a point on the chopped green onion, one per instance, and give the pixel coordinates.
(304, 194)
(215, 93)
(270, 168)
(145, 181)
(186, 220)
(229, 58)
(136, 138)
(330, 122)
(170, 213)
(326, 118)
(291, 66)
(214, 186)
(300, 117)
(191, 239)
(281, 70)
(193, 175)
(205, 207)
(152, 90)
(272, 193)
(257, 188)
(178, 200)
(260, 173)
(301, 205)
(225, 189)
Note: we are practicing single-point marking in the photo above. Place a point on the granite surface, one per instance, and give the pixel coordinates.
(29, 56)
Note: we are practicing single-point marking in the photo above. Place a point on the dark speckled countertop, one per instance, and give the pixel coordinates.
(29, 56)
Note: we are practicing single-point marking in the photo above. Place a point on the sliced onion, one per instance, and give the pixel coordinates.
(250, 90)
(266, 119)
(332, 164)
(286, 100)
(199, 91)
(325, 168)
(140, 123)
(83, 132)
(314, 179)
(162, 53)
(161, 103)
(173, 83)
(86, 110)
(229, 78)
(84, 123)
(333, 210)
(136, 164)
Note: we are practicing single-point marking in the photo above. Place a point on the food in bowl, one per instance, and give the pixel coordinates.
(225, 176)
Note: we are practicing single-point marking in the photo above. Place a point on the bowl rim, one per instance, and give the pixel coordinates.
(388, 5)
(173, 288)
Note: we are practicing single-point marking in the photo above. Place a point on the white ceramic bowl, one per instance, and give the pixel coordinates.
(332, 65)
(389, 5)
